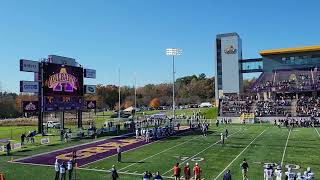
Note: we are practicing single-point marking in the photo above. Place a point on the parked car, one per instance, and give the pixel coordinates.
(52, 124)
(205, 105)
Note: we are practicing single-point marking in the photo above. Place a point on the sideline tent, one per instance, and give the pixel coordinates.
(130, 109)
(4, 141)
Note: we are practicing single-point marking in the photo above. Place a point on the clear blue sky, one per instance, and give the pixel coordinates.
(133, 34)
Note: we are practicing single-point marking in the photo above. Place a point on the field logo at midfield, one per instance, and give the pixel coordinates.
(102, 148)
(185, 158)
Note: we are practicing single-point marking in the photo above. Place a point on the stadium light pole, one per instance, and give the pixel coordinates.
(119, 100)
(173, 52)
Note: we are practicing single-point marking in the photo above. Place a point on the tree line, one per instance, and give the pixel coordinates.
(189, 90)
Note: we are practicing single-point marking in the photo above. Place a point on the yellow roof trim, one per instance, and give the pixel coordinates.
(289, 50)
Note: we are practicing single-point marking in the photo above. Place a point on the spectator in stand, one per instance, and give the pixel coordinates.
(227, 175)
(114, 173)
(197, 172)
(187, 172)
(176, 171)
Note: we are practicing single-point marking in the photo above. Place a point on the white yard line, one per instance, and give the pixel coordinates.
(158, 153)
(285, 148)
(239, 155)
(317, 131)
(199, 153)
(43, 165)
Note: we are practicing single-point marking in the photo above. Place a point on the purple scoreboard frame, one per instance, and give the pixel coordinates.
(62, 87)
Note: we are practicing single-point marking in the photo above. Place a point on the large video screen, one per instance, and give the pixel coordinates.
(62, 80)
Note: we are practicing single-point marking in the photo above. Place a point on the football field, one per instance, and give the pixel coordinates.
(259, 144)
(297, 148)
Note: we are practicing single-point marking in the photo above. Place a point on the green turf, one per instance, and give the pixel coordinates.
(259, 144)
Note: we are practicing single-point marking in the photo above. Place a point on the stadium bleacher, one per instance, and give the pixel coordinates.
(294, 93)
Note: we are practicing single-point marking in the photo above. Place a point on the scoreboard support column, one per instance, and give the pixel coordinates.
(41, 103)
(79, 119)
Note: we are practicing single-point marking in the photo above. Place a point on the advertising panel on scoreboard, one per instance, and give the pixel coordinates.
(90, 73)
(62, 60)
(62, 80)
(90, 89)
(30, 106)
(29, 86)
(91, 104)
(29, 66)
(62, 103)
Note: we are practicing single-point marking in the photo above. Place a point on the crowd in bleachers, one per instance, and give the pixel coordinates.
(287, 81)
(236, 105)
(308, 106)
(272, 108)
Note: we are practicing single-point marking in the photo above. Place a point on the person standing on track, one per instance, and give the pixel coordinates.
(187, 172)
(245, 169)
(176, 171)
(119, 151)
(57, 169)
(114, 173)
(63, 171)
(137, 134)
(70, 168)
(197, 172)
(8, 146)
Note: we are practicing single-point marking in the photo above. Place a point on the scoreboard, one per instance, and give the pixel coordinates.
(62, 87)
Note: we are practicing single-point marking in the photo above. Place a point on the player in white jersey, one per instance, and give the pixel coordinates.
(147, 136)
(278, 173)
(268, 173)
(290, 175)
(309, 174)
(137, 134)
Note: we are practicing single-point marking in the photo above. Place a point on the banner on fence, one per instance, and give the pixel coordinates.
(16, 146)
(45, 141)
(2, 149)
